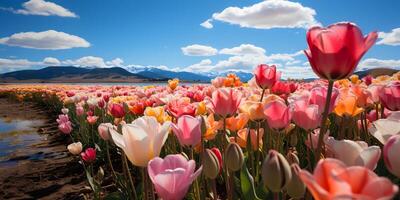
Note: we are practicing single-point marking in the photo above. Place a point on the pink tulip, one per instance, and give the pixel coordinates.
(65, 127)
(79, 110)
(391, 155)
(278, 114)
(266, 76)
(225, 101)
(333, 180)
(390, 96)
(318, 97)
(305, 115)
(354, 153)
(179, 107)
(172, 176)
(117, 110)
(62, 119)
(89, 155)
(188, 130)
(103, 130)
(92, 119)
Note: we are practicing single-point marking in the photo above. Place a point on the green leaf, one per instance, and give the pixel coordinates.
(247, 184)
(90, 180)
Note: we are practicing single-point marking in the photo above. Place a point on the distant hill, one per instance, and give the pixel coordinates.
(161, 74)
(72, 74)
(376, 72)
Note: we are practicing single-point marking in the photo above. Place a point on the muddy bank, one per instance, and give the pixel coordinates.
(36, 165)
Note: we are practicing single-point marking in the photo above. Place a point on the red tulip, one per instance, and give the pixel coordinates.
(368, 79)
(117, 110)
(335, 51)
(266, 76)
(89, 155)
(219, 157)
(390, 96)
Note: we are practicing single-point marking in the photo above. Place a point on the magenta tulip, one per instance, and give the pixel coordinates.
(278, 114)
(335, 51)
(89, 155)
(172, 176)
(188, 130)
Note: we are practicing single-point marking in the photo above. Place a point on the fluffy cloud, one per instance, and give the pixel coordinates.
(207, 24)
(51, 61)
(371, 63)
(392, 38)
(44, 8)
(117, 62)
(199, 50)
(202, 66)
(50, 39)
(243, 49)
(87, 61)
(269, 14)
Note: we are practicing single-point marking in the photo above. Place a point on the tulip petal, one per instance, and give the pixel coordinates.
(380, 188)
(369, 157)
(117, 138)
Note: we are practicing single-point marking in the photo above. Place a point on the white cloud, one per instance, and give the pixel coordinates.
(43, 8)
(87, 61)
(50, 39)
(202, 66)
(117, 62)
(392, 38)
(269, 14)
(207, 24)
(51, 61)
(296, 72)
(284, 56)
(243, 49)
(199, 50)
(371, 63)
(7, 65)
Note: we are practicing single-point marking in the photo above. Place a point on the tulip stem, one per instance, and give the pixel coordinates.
(262, 94)
(214, 189)
(126, 167)
(196, 182)
(109, 161)
(324, 127)
(144, 182)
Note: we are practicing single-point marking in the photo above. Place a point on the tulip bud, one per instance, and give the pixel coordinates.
(295, 188)
(75, 148)
(210, 164)
(89, 155)
(275, 171)
(64, 111)
(234, 157)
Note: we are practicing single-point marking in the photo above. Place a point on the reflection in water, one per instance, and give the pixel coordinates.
(17, 135)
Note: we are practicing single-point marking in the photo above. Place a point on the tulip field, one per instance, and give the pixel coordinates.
(337, 137)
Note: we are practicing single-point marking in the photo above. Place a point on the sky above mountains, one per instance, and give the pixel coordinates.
(178, 35)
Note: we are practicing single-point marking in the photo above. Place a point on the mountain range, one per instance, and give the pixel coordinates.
(68, 74)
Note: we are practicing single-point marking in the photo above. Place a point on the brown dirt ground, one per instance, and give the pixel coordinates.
(57, 176)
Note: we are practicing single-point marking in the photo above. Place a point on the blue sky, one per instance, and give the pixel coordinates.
(140, 34)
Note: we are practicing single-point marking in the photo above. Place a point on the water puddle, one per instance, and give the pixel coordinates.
(16, 139)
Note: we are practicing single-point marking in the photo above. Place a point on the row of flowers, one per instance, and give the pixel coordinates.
(337, 136)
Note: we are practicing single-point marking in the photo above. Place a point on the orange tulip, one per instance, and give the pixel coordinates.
(241, 138)
(212, 127)
(237, 123)
(172, 84)
(254, 109)
(347, 105)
